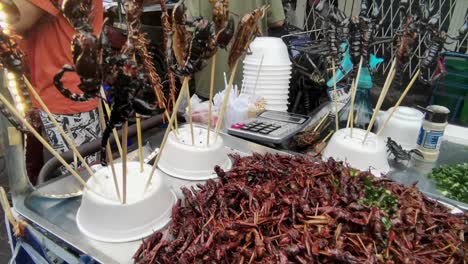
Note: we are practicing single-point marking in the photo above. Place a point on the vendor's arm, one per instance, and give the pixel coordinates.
(275, 15)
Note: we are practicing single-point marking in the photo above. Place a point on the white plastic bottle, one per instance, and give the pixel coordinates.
(432, 131)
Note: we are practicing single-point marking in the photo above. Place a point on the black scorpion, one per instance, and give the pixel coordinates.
(202, 46)
(437, 39)
(398, 152)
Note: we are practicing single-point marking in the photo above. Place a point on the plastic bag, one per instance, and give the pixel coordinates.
(200, 111)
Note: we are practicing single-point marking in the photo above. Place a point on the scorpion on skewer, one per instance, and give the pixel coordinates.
(337, 32)
(437, 39)
(129, 78)
(202, 47)
(370, 26)
(192, 50)
(406, 40)
(95, 64)
(86, 49)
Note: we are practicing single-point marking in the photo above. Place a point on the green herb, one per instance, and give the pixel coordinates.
(353, 172)
(452, 181)
(387, 223)
(379, 197)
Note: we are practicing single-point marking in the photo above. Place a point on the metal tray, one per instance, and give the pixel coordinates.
(57, 216)
(451, 152)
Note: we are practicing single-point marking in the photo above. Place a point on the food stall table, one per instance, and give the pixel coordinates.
(55, 218)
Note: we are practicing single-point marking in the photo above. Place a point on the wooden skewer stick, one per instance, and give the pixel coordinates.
(109, 153)
(258, 75)
(17, 224)
(321, 122)
(210, 99)
(44, 142)
(140, 141)
(189, 106)
(335, 96)
(166, 113)
(114, 131)
(124, 161)
(166, 134)
(383, 94)
(350, 114)
(64, 135)
(328, 136)
(225, 101)
(356, 84)
(413, 80)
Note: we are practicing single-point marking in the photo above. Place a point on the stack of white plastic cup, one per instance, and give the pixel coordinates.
(267, 72)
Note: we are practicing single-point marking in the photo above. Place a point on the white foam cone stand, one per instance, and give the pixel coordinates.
(267, 71)
(195, 162)
(102, 217)
(363, 156)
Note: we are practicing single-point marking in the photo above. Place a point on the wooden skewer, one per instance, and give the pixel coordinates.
(383, 94)
(189, 106)
(258, 75)
(321, 122)
(413, 80)
(44, 142)
(210, 99)
(114, 174)
(166, 134)
(64, 135)
(124, 161)
(174, 129)
(350, 114)
(356, 84)
(225, 101)
(114, 131)
(109, 153)
(335, 96)
(140, 141)
(18, 225)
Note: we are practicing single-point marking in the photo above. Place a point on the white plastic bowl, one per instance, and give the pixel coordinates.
(267, 73)
(270, 91)
(102, 217)
(273, 50)
(266, 89)
(363, 156)
(403, 127)
(266, 82)
(255, 68)
(183, 160)
(268, 79)
(257, 60)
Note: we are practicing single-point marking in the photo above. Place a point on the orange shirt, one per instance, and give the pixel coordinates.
(48, 46)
